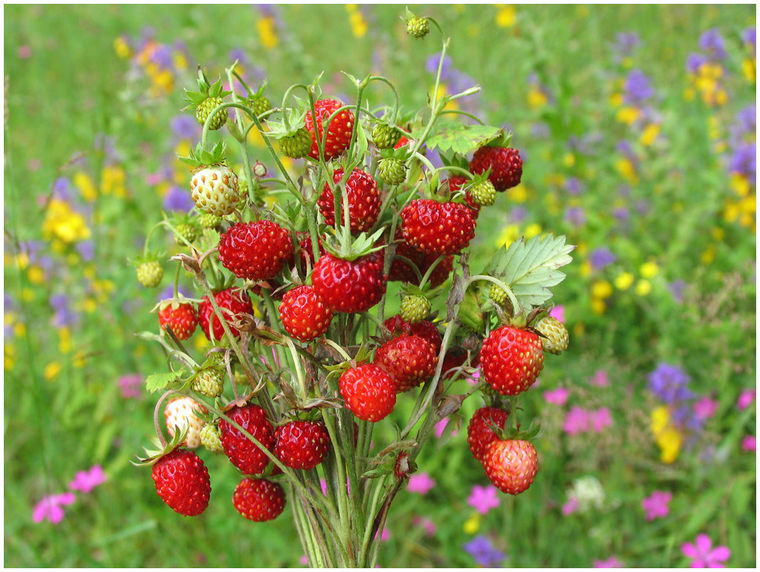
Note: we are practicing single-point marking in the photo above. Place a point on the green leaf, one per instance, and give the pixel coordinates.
(461, 138)
(530, 268)
(158, 381)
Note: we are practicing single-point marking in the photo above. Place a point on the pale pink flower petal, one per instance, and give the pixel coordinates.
(557, 396)
(720, 553)
(748, 443)
(558, 312)
(689, 550)
(705, 408)
(600, 379)
(570, 506)
(420, 483)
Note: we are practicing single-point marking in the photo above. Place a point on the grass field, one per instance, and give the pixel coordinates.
(637, 129)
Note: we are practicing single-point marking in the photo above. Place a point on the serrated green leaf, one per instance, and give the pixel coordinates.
(158, 381)
(530, 268)
(461, 138)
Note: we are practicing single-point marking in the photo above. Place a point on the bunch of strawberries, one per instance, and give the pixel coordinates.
(294, 295)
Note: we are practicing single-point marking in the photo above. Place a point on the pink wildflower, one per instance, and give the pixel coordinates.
(746, 398)
(748, 443)
(483, 499)
(474, 379)
(600, 419)
(611, 562)
(386, 534)
(705, 408)
(130, 385)
(304, 560)
(24, 52)
(557, 396)
(440, 427)
(85, 481)
(570, 506)
(703, 555)
(600, 379)
(50, 507)
(576, 421)
(558, 312)
(656, 504)
(420, 483)
(426, 523)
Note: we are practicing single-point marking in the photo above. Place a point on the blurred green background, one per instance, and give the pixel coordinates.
(655, 170)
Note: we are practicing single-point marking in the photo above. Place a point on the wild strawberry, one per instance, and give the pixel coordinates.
(204, 110)
(215, 190)
(403, 141)
(180, 413)
(401, 270)
(483, 193)
(259, 500)
(235, 305)
(511, 465)
(304, 314)
(453, 359)
(556, 337)
(456, 183)
(349, 285)
(363, 201)
(181, 317)
(417, 27)
(182, 482)
(369, 392)
(479, 431)
(505, 164)
(437, 228)
(186, 231)
(301, 444)
(209, 382)
(497, 294)
(338, 133)
(385, 136)
(306, 254)
(391, 171)
(255, 250)
(511, 359)
(424, 329)
(259, 104)
(414, 309)
(242, 452)
(211, 438)
(296, 145)
(207, 220)
(150, 273)
(409, 360)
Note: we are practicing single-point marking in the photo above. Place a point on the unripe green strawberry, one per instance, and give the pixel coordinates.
(557, 338)
(483, 193)
(210, 438)
(207, 220)
(204, 110)
(259, 104)
(297, 145)
(385, 136)
(215, 190)
(498, 295)
(392, 171)
(414, 309)
(209, 382)
(188, 231)
(417, 27)
(149, 273)
(243, 188)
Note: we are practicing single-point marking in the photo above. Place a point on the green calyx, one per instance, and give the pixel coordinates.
(200, 157)
(205, 91)
(159, 450)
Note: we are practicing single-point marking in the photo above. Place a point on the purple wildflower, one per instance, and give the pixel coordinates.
(518, 214)
(64, 315)
(748, 37)
(746, 398)
(62, 189)
(743, 161)
(712, 42)
(601, 257)
(162, 57)
(178, 199)
(557, 396)
(168, 292)
(130, 385)
(668, 382)
(576, 216)
(431, 66)
(484, 553)
(677, 288)
(573, 186)
(621, 214)
(626, 43)
(239, 55)
(185, 127)
(86, 250)
(637, 87)
(540, 130)
(695, 61)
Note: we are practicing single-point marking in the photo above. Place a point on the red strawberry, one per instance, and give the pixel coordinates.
(424, 329)
(302, 444)
(363, 201)
(306, 253)
(338, 133)
(259, 499)
(234, 304)
(479, 432)
(182, 482)
(437, 228)
(304, 314)
(255, 250)
(511, 359)
(370, 393)
(181, 317)
(409, 360)
(401, 142)
(403, 272)
(505, 164)
(511, 465)
(349, 285)
(243, 452)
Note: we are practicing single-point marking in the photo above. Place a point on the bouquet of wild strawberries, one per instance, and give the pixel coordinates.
(293, 276)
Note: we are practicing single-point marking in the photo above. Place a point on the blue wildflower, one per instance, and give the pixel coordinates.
(637, 87)
(484, 553)
(712, 42)
(178, 199)
(601, 257)
(668, 382)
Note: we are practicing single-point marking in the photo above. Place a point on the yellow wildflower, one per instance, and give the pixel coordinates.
(472, 524)
(628, 115)
(586, 268)
(740, 185)
(533, 229)
(267, 33)
(508, 235)
(518, 194)
(19, 330)
(708, 255)
(27, 295)
(598, 306)
(536, 98)
(568, 160)
(36, 275)
(52, 370)
(64, 340)
(649, 269)
(688, 94)
(506, 16)
(616, 99)
(627, 170)
(643, 287)
(601, 289)
(627, 62)
(9, 353)
(358, 24)
(649, 134)
(121, 47)
(624, 281)
(748, 69)
(670, 444)
(63, 223)
(86, 186)
(180, 61)
(79, 360)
